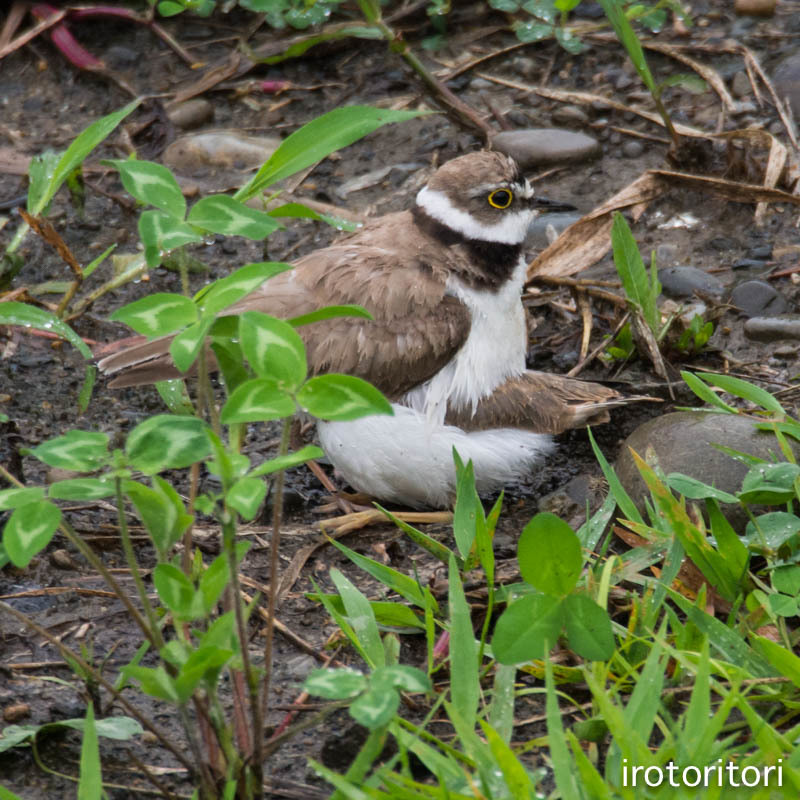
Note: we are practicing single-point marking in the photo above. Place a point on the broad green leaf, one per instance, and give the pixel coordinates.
(769, 484)
(161, 511)
(14, 498)
(786, 579)
(273, 349)
(588, 628)
(549, 553)
(704, 393)
(40, 181)
(468, 515)
(729, 543)
(375, 708)
(697, 490)
(525, 627)
(515, 775)
(464, 667)
(81, 451)
(246, 495)
(361, 618)
(174, 589)
(771, 530)
(176, 398)
(318, 139)
(286, 462)
(335, 684)
(28, 316)
(81, 489)
(29, 530)
(155, 682)
(222, 214)
(90, 784)
(186, 346)
(213, 582)
(257, 400)
(205, 663)
(167, 441)
(157, 314)
(161, 233)
(330, 312)
(341, 398)
(151, 184)
(50, 182)
(226, 291)
(785, 661)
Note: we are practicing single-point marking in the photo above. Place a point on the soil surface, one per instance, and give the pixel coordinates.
(45, 103)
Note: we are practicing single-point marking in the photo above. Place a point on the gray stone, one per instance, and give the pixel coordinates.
(537, 230)
(570, 115)
(633, 148)
(761, 251)
(770, 329)
(299, 667)
(749, 263)
(685, 281)
(666, 253)
(120, 57)
(191, 114)
(525, 66)
(740, 85)
(220, 149)
(758, 299)
(786, 80)
(543, 146)
(480, 85)
(682, 442)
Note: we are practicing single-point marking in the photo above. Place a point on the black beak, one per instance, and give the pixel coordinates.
(549, 206)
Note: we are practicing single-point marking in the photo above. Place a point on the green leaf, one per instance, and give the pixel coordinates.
(335, 684)
(514, 773)
(90, 785)
(167, 441)
(704, 393)
(361, 618)
(161, 233)
(81, 489)
(525, 627)
(14, 313)
(786, 579)
(273, 349)
(185, 347)
(739, 388)
(176, 398)
(588, 628)
(468, 513)
(464, 668)
(47, 183)
(625, 33)
(222, 214)
(246, 495)
(257, 400)
(341, 398)
(29, 530)
(330, 312)
(375, 708)
(81, 451)
(151, 184)
(772, 530)
(769, 484)
(286, 462)
(229, 290)
(161, 510)
(155, 682)
(783, 660)
(175, 590)
(632, 272)
(549, 553)
(318, 139)
(14, 498)
(300, 211)
(697, 490)
(157, 314)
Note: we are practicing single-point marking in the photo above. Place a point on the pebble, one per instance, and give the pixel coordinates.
(61, 559)
(755, 8)
(740, 85)
(537, 230)
(666, 253)
(685, 281)
(544, 146)
(749, 263)
(570, 115)
(480, 85)
(16, 712)
(525, 66)
(683, 442)
(770, 329)
(758, 299)
(762, 251)
(633, 148)
(722, 243)
(518, 117)
(191, 114)
(786, 80)
(299, 667)
(120, 57)
(220, 149)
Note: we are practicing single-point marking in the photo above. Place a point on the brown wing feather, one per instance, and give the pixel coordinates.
(543, 403)
(416, 328)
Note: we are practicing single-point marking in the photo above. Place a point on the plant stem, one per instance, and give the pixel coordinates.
(274, 553)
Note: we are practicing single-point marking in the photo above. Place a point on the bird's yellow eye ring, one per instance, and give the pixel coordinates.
(500, 198)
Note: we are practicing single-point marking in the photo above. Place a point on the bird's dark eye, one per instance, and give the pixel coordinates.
(500, 198)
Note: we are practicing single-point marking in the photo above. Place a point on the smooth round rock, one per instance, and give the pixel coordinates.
(786, 80)
(541, 146)
(682, 442)
(771, 329)
(685, 281)
(537, 230)
(740, 85)
(570, 115)
(220, 149)
(758, 299)
(191, 114)
(632, 148)
(755, 8)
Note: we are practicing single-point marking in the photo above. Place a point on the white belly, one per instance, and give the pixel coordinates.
(405, 459)
(408, 458)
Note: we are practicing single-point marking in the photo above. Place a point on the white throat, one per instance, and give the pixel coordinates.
(512, 230)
